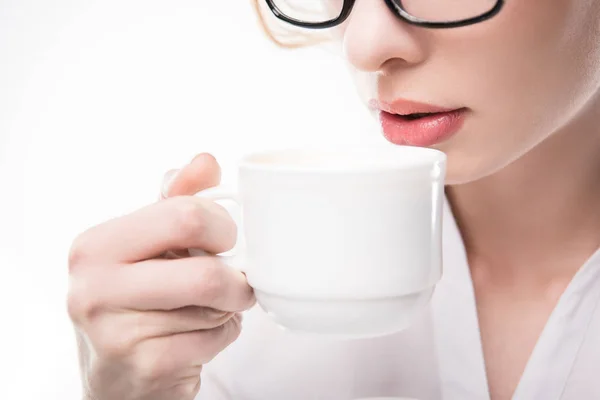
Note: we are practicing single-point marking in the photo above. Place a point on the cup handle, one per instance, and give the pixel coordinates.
(220, 193)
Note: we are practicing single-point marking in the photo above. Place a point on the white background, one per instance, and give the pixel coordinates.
(98, 98)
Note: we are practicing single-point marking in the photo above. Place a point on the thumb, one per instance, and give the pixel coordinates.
(201, 173)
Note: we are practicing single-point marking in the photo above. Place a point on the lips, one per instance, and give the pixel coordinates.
(418, 124)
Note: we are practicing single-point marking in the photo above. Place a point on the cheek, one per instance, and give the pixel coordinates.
(538, 50)
(526, 75)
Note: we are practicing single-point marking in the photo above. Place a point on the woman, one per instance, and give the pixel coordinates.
(510, 91)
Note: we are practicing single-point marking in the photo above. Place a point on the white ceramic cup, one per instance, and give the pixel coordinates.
(341, 242)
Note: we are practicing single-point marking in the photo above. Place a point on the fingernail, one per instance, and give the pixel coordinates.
(167, 181)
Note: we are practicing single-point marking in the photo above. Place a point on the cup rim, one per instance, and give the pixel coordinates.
(427, 158)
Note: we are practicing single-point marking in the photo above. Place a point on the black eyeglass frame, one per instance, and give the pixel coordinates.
(395, 7)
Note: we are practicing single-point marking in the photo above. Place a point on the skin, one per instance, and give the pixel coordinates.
(524, 172)
(143, 332)
(523, 182)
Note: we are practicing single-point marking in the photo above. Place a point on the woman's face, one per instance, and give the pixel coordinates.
(518, 78)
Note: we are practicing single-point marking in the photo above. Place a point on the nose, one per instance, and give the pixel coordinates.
(375, 39)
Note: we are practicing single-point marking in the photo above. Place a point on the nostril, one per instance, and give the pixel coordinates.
(376, 41)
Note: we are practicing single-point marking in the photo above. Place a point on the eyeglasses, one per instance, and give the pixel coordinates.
(321, 14)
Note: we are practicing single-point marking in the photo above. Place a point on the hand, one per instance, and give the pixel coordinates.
(147, 315)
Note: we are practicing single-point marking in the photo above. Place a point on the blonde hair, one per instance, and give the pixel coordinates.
(282, 34)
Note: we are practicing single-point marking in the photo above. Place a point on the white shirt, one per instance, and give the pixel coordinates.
(438, 358)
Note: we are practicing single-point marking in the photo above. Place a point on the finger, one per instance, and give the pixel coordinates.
(186, 349)
(186, 319)
(174, 224)
(201, 173)
(175, 254)
(217, 339)
(168, 177)
(174, 284)
(213, 341)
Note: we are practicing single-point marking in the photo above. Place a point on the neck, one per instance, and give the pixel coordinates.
(539, 217)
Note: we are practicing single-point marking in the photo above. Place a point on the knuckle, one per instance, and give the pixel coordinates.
(212, 346)
(234, 330)
(78, 252)
(115, 336)
(115, 345)
(82, 304)
(214, 315)
(190, 220)
(228, 332)
(188, 389)
(220, 338)
(152, 369)
(209, 283)
(152, 364)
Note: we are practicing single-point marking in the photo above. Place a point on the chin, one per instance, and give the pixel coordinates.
(462, 169)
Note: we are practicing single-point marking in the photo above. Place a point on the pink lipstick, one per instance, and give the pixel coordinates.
(406, 122)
